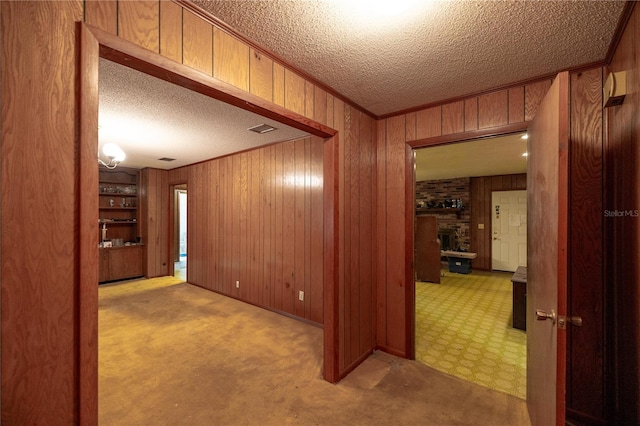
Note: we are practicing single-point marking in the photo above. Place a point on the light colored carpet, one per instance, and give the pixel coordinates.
(175, 354)
(463, 328)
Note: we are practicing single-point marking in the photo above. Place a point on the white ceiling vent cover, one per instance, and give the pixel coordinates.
(262, 128)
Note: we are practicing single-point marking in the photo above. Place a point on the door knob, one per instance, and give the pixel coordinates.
(542, 315)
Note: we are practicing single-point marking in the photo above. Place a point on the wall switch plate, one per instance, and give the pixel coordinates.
(237, 284)
(301, 296)
(481, 226)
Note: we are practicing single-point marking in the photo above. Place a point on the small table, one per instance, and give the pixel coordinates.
(459, 261)
(519, 281)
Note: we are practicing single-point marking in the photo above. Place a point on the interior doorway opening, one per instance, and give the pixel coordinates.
(464, 318)
(180, 232)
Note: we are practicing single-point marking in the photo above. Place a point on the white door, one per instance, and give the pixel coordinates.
(509, 227)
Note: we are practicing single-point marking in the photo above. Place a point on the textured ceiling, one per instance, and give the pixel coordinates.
(150, 118)
(497, 156)
(433, 51)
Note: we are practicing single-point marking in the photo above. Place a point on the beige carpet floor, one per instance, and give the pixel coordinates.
(463, 328)
(174, 354)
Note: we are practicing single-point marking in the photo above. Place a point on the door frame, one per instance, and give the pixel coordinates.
(174, 224)
(95, 44)
(410, 197)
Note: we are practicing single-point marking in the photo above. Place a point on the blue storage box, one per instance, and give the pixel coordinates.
(459, 265)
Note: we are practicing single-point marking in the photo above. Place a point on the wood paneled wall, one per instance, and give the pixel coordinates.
(181, 35)
(256, 218)
(503, 110)
(622, 233)
(40, 162)
(154, 211)
(481, 188)
(586, 290)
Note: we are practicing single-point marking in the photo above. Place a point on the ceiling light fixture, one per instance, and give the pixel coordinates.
(525, 154)
(525, 136)
(114, 154)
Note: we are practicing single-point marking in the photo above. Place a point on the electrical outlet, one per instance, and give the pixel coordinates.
(301, 296)
(237, 284)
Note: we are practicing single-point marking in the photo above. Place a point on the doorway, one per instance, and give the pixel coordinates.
(180, 232)
(464, 323)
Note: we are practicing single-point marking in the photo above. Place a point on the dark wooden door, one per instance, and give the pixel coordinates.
(547, 184)
(427, 249)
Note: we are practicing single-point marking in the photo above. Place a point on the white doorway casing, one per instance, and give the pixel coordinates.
(509, 227)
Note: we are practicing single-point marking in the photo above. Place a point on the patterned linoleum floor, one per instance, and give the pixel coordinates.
(463, 328)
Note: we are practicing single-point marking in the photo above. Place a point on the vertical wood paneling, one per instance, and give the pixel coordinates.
(230, 59)
(367, 233)
(533, 94)
(278, 282)
(260, 75)
(471, 114)
(320, 105)
(516, 104)
(330, 104)
(294, 88)
(429, 123)
(394, 228)
(622, 234)
(40, 205)
(493, 109)
(411, 126)
(317, 222)
(452, 118)
(171, 31)
(288, 227)
(299, 226)
(278, 84)
(197, 43)
(309, 102)
(586, 368)
(139, 23)
(381, 236)
(102, 14)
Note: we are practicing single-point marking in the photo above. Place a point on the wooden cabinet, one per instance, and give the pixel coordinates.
(119, 263)
(121, 255)
(118, 204)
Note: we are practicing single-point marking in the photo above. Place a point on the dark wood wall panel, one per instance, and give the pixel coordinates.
(622, 233)
(585, 369)
(102, 14)
(40, 208)
(171, 30)
(138, 22)
(197, 50)
(481, 189)
(230, 59)
(411, 126)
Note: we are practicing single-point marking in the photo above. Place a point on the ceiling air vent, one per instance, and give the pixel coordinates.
(167, 159)
(262, 128)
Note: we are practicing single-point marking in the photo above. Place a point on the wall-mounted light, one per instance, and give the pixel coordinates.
(114, 154)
